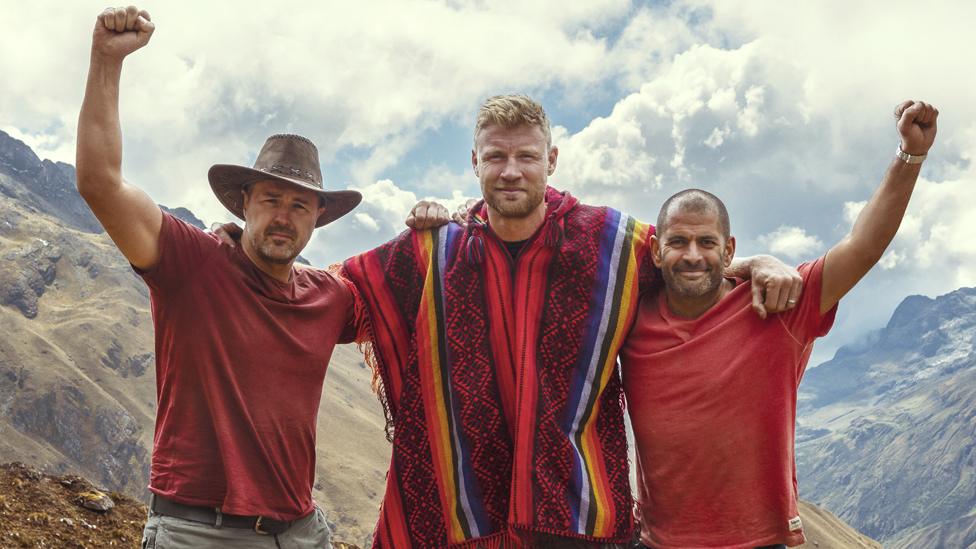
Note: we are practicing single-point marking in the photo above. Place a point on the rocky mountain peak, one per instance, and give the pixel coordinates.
(886, 428)
(44, 186)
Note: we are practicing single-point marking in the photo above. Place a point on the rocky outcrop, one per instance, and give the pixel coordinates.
(105, 440)
(25, 273)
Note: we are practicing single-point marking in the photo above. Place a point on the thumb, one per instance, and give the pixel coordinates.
(145, 26)
(757, 300)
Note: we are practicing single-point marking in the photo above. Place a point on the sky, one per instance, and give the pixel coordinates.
(781, 108)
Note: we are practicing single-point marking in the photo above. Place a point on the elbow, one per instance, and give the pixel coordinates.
(86, 188)
(92, 184)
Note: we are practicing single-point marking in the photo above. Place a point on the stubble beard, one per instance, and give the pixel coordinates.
(268, 251)
(707, 285)
(515, 209)
(278, 255)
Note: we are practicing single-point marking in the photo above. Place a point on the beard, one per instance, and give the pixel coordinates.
(710, 283)
(279, 254)
(516, 208)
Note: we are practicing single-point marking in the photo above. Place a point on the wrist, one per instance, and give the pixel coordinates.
(105, 61)
(910, 155)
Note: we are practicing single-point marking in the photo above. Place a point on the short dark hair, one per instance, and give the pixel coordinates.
(696, 201)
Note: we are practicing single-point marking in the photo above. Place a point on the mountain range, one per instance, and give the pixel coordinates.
(887, 428)
(77, 381)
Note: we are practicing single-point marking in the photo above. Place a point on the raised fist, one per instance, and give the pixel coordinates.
(121, 31)
(916, 124)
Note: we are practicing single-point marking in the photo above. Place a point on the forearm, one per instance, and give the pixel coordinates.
(878, 222)
(743, 267)
(99, 148)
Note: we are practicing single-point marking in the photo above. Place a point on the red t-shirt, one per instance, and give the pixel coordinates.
(712, 401)
(240, 361)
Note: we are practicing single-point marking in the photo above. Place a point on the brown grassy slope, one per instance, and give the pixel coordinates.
(43, 511)
(823, 530)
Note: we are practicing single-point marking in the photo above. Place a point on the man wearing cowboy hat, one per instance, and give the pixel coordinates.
(243, 338)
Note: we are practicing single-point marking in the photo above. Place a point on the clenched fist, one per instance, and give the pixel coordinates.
(916, 124)
(121, 31)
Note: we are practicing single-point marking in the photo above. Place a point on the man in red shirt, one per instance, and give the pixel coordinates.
(711, 387)
(243, 338)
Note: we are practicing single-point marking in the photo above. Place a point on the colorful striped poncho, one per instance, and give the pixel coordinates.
(500, 378)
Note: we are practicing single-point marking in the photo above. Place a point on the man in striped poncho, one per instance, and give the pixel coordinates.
(494, 349)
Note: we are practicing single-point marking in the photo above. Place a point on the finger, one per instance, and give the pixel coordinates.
(145, 26)
(428, 214)
(783, 301)
(423, 217)
(914, 111)
(757, 299)
(794, 295)
(232, 229)
(131, 15)
(224, 236)
(929, 113)
(443, 215)
(108, 18)
(144, 22)
(900, 108)
(773, 294)
(411, 221)
(922, 114)
(119, 19)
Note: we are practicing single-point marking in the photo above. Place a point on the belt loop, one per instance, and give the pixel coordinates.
(220, 517)
(152, 502)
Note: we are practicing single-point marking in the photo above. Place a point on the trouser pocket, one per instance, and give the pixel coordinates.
(149, 538)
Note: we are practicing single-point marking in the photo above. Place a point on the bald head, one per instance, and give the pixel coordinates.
(694, 201)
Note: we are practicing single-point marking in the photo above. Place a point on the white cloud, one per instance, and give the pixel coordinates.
(371, 76)
(779, 107)
(792, 243)
(367, 221)
(852, 210)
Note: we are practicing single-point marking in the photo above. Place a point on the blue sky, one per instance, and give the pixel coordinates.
(782, 108)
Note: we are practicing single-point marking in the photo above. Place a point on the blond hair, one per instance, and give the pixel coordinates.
(510, 111)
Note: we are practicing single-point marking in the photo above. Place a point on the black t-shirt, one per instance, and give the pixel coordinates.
(515, 247)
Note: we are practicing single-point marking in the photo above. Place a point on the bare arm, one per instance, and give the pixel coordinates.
(129, 216)
(851, 258)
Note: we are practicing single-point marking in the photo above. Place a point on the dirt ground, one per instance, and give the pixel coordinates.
(39, 510)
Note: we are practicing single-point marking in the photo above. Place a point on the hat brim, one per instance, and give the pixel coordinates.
(227, 182)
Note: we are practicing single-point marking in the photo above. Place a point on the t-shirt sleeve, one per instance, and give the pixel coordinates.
(805, 322)
(183, 249)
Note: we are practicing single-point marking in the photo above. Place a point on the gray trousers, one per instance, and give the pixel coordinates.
(163, 532)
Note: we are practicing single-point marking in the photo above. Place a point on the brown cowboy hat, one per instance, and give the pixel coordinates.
(286, 158)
